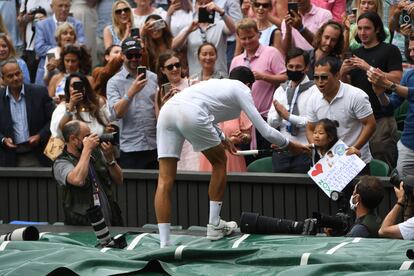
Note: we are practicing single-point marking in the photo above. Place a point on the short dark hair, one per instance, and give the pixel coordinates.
(8, 61)
(71, 128)
(331, 129)
(371, 191)
(295, 52)
(333, 62)
(337, 50)
(80, 51)
(378, 25)
(243, 74)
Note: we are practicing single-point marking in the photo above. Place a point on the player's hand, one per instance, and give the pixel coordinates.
(229, 146)
(298, 148)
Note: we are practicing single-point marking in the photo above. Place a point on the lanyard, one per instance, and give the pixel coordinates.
(95, 194)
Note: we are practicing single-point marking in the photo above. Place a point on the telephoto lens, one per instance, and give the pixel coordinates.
(112, 138)
(252, 223)
(99, 226)
(29, 233)
(408, 180)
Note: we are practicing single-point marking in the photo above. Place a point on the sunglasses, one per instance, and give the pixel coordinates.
(321, 77)
(171, 66)
(263, 5)
(120, 11)
(133, 55)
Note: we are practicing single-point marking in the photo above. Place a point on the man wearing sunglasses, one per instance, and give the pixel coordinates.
(344, 103)
(193, 115)
(131, 94)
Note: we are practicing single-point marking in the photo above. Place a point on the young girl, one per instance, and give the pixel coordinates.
(325, 135)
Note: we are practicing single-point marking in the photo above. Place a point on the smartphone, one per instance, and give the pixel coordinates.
(50, 56)
(293, 7)
(354, 11)
(142, 70)
(78, 86)
(204, 16)
(135, 32)
(185, 5)
(159, 24)
(405, 18)
(166, 87)
(347, 55)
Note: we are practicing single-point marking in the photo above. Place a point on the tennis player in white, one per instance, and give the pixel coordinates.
(193, 114)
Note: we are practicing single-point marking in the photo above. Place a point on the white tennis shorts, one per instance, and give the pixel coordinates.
(179, 121)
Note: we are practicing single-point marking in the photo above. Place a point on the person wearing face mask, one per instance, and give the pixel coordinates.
(85, 171)
(288, 111)
(367, 195)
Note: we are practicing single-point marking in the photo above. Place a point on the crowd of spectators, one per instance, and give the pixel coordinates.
(312, 59)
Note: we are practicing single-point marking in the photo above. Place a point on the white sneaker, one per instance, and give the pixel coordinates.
(223, 229)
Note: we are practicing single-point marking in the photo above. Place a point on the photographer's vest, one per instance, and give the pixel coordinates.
(77, 199)
(372, 223)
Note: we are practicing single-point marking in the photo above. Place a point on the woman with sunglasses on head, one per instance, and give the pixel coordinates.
(81, 103)
(73, 59)
(157, 39)
(171, 81)
(122, 23)
(7, 51)
(143, 10)
(198, 33)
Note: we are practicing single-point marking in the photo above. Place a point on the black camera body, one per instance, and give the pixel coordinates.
(408, 180)
(405, 18)
(112, 137)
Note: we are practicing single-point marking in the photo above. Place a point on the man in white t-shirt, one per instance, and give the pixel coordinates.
(193, 115)
(344, 103)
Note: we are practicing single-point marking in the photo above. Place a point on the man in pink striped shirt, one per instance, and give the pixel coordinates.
(267, 64)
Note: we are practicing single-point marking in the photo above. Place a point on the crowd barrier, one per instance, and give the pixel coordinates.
(32, 195)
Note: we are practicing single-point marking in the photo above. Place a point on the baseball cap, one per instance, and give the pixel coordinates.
(130, 44)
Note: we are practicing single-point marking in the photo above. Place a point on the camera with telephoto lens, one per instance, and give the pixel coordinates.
(408, 180)
(29, 233)
(253, 223)
(97, 220)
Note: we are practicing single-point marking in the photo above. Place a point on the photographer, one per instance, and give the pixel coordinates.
(368, 194)
(404, 230)
(86, 174)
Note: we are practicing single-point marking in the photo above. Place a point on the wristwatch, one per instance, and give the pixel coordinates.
(111, 164)
(393, 87)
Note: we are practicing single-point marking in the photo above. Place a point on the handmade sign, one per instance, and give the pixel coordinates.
(336, 169)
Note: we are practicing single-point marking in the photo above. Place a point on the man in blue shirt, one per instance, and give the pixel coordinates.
(131, 100)
(24, 121)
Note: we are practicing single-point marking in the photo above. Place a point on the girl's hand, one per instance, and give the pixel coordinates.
(353, 150)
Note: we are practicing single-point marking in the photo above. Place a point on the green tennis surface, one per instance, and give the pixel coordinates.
(75, 253)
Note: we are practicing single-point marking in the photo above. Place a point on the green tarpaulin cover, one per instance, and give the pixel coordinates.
(75, 253)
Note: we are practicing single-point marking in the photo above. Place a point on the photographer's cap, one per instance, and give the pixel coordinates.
(130, 44)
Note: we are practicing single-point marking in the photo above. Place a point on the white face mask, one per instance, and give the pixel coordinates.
(352, 205)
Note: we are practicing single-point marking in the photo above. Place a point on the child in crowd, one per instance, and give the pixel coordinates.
(325, 136)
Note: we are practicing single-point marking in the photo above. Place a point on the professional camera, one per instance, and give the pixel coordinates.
(252, 223)
(29, 233)
(36, 10)
(112, 137)
(101, 230)
(396, 178)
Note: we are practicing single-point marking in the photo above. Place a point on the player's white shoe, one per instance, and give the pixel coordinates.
(223, 229)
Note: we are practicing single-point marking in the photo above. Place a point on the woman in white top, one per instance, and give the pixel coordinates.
(171, 82)
(198, 33)
(145, 8)
(81, 103)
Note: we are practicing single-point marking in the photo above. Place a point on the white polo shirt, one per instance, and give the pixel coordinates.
(349, 106)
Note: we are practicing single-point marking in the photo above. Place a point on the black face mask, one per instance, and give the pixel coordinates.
(295, 75)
